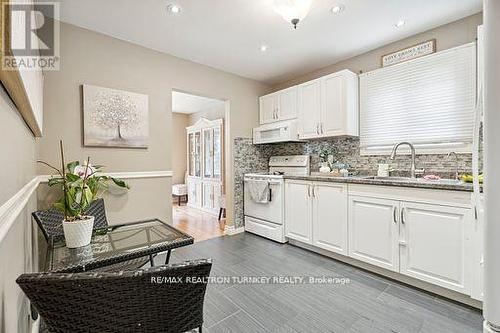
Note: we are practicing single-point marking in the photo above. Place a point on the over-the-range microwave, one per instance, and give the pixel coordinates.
(283, 131)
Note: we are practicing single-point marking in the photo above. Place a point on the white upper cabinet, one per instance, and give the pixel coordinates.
(287, 103)
(310, 109)
(268, 109)
(328, 106)
(278, 106)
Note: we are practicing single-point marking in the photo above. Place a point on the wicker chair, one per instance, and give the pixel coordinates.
(135, 301)
(50, 223)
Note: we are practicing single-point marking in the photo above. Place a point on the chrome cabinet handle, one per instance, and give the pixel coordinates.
(394, 214)
(314, 191)
(317, 129)
(322, 129)
(309, 191)
(403, 215)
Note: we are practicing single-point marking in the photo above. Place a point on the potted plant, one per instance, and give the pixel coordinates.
(81, 185)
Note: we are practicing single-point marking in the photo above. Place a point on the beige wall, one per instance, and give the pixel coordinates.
(18, 155)
(93, 58)
(213, 114)
(450, 35)
(179, 146)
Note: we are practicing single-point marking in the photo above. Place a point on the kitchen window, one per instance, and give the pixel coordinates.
(428, 101)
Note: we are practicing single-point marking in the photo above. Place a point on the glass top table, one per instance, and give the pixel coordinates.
(115, 244)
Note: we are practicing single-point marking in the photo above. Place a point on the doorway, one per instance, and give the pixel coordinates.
(198, 160)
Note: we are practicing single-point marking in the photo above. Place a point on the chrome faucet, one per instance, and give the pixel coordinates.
(452, 153)
(412, 149)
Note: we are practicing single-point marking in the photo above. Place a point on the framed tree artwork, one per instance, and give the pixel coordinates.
(114, 118)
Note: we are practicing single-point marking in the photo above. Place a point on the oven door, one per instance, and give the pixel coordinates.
(271, 211)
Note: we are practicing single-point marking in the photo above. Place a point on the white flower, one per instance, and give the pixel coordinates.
(81, 169)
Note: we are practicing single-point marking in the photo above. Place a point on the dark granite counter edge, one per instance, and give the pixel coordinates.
(384, 182)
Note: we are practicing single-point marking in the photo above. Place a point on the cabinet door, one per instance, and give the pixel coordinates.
(435, 244)
(194, 192)
(197, 154)
(330, 217)
(309, 109)
(287, 103)
(191, 154)
(298, 211)
(332, 106)
(208, 198)
(268, 108)
(374, 231)
(208, 153)
(217, 152)
(216, 194)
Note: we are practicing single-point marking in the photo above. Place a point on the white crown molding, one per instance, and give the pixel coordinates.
(127, 175)
(11, 209)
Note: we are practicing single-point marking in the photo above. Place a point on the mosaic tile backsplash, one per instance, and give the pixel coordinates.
(254, 158)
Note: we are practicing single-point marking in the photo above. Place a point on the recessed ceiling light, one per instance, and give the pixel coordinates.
(173, 8)
(263, 48)
(338, 9)
(400, 23)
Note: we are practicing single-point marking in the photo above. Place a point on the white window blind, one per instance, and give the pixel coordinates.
(427, 101)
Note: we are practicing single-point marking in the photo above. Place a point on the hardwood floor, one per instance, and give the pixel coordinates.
(368, 303)
(200, 225)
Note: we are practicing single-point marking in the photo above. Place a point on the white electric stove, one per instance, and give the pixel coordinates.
(266, 219)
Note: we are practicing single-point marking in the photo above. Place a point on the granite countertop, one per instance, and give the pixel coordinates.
(445, 184)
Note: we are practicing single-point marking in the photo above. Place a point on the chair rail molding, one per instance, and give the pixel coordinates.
(127, 175)
(11, 209)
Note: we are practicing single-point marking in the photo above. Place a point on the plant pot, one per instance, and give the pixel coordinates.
(78, 233)
(324, 168)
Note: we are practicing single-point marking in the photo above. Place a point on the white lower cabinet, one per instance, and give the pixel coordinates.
(316, 213)
(208, 195)
(374, 231)
(435, 244)
(204, 194)
(298, 211)
(329, 217)
(427, 235)
(194, 192)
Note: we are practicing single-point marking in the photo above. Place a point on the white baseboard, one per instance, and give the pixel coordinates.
(232, 230)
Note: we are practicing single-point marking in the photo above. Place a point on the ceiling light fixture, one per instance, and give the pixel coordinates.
(173, 8)
(263, 48)
(400, 23)
(292, 11)
(337, 9)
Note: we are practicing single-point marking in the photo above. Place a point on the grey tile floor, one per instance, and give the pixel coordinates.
(369, 303)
